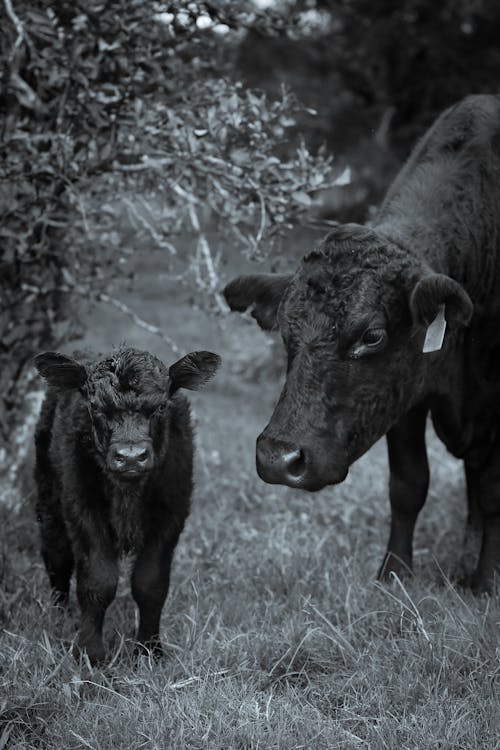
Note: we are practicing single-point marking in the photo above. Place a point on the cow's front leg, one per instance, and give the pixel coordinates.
(474, 526)
(409, 482)
(487, 506)
(150, 582)
(96, 581)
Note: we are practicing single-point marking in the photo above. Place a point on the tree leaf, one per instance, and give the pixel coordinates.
(299, 196)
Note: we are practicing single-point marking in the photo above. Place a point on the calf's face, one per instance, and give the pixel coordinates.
(126, 403)
(353, 320)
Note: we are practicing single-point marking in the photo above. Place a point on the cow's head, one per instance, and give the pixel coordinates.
(125, 402)
(353, 319)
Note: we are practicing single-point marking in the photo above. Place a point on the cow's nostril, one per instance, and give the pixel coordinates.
(280, 462)
(295, 462)
(143, 456)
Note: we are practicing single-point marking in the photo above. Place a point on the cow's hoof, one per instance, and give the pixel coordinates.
(480, 583)
(95, 652)
(393, 566)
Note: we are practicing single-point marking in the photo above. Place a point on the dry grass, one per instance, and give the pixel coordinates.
(277, 634)
(277, 637)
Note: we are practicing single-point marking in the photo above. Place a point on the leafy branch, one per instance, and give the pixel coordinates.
(107, 102)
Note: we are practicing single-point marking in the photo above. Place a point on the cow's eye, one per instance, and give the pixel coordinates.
(372, 341)
(374, 337)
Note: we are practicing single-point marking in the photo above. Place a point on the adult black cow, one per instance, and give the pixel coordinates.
(357, 315)
(114, 456)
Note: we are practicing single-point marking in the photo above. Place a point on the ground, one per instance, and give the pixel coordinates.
(277, 635)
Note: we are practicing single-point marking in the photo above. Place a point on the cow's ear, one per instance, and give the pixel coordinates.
(435, 290)
(193, 371)
(60, 371)
(261, 292)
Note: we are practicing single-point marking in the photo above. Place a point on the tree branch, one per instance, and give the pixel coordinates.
(108, 300)
(18, 26)
(103, 297)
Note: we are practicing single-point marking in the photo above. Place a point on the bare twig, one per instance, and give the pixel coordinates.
(191, 199)
(145, 224)
(146, 164)
(83, 211)
(18, 26)
(203, 250)
(108, 300)
(381, 136)
(262, 227)
(126, 310)
(23, 91)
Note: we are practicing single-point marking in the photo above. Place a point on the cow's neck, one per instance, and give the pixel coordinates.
(442, 225)
(451, 255)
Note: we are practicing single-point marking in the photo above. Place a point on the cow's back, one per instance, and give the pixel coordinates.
(471, 123)
(444, 205)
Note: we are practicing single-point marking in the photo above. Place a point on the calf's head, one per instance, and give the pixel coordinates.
(125, 403)
(353, 319)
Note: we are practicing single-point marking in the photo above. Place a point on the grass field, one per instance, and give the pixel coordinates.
(277, 635)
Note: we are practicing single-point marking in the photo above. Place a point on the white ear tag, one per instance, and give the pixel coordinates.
(435, 332)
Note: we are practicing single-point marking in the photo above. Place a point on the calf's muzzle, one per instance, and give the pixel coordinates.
(130, 459)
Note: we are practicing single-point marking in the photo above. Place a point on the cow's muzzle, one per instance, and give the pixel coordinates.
(280, 462)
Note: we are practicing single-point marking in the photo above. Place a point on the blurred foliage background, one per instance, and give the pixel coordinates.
(127, 123)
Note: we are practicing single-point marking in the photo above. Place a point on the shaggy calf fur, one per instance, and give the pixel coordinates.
(114, 455)
(354, 317)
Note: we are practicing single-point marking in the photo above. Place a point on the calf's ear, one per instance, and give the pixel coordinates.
(193, 371)
(434, 290)
(60, 370)
(261, 292)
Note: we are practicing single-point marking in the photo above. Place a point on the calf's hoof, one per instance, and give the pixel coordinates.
(60, 598)
(149, 646)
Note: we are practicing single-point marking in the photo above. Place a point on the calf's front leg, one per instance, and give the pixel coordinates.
(56, 552)
(409, 482)
(96, 582)
(150, 582)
